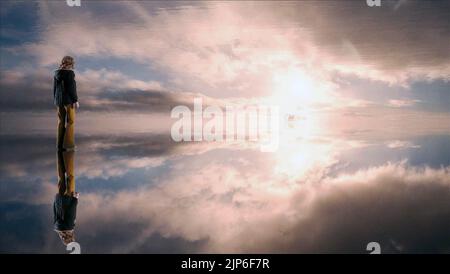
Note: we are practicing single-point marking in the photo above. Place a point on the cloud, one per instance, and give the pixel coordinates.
(231, 213)
(101, 90)
(401, 144)
(228, 48)
(233, 50)
(402, 103)
(100, 80)
(370, 205)
(187, 201)
(120, 155)
(294, 201)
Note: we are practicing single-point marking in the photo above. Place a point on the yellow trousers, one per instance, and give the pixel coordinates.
(66, 172)
(66, 127)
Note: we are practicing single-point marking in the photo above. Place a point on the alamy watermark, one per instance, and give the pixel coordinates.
(231, 123)
(73, 3)
(74, 247)
(374, 247)
(373, 3)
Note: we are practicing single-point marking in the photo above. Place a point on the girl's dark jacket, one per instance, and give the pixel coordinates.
(64, 212)
(64, 87)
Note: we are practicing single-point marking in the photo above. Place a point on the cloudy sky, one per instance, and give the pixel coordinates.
(367, 159)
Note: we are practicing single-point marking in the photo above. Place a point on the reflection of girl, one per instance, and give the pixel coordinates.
(66, 200)
(66, 99)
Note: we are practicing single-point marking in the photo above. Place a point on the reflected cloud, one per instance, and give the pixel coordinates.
(207, 198)
(241, 213)
(401, 144)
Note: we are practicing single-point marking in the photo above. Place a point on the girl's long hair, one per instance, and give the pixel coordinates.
(67, 62)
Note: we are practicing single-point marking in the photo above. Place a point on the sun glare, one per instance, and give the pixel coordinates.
(296, 92)
(293, 90)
